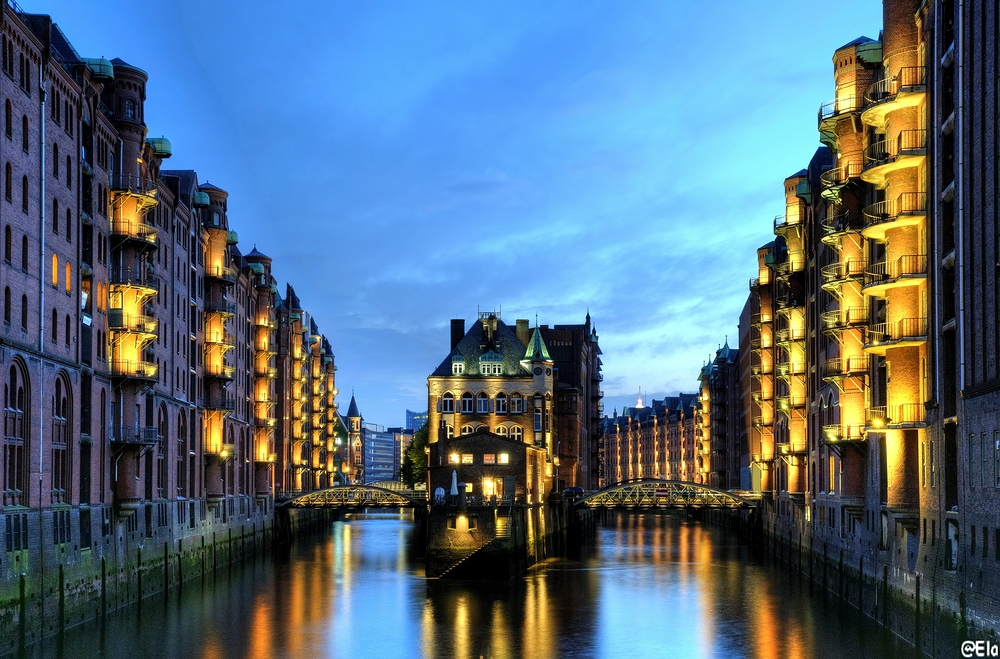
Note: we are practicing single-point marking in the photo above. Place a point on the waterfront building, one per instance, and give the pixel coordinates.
(492, 468)
(721, 421)
(506, 380)
(415, 420)
(873, 321)
(138, 343)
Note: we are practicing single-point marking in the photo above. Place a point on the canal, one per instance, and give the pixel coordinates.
(649, 586)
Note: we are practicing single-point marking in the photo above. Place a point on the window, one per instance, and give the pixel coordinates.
(69, 173)
(457, 367)
(130, 109)
(6, 305)
(538, 420)
(69, 278)
(66, 326)
(449, 431)
(453, 458)
(55, 271)
(55, 326)
(930, 459)
(6, 244)
(24, 194)
(55, 160)
(24, 313)
(24, 133)
(55, 216)
(516, 433)
(516, 403)
(501, 403)
(489, 458)
(467, 403)
(8, 121)
(8, 183)
(502, 431)
(24, 253)
(996, 458)
(448, 403)
(69, 226)
(467, 459)
(15, 447)
(466, 429)
(482, 403)
(504, 458)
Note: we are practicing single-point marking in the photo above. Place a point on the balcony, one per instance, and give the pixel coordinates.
(758, 370)
(221, 273)
(789, 335)
(220, 305)
(785, 223)
(133, 370)
(847, 434)
(907, 270)
(837, 225)
(794, 262)
(118, 321)
(906, 210)
(792, 448)
(786, 302)
(844, 319)
(758, 318)
(127, 185)
(142, 436)
(837, 274)
(906, 415)
(142, 278)
(790, 369)
(762, 423)
(835, 178)
(908, 149)
(761, 343)
(905, 89)
(221, 371)
(839, 368)
(220, 338)
(787, 404)
(224, 403)
(268, 372)
(265, 422)
(757, 282)
(835, 109)
(899, 334)
(265, 323)
(134, 231)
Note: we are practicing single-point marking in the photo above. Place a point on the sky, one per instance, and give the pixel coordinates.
(408, 163)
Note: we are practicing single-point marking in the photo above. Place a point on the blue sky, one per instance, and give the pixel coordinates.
(407, 163)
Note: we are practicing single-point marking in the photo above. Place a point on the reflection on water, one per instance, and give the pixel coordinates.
(651, 585)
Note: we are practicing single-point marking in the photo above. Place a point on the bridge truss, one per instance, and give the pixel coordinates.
(359, 496)
(653, 494)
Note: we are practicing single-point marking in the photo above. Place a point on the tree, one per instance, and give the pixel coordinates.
(414, 469)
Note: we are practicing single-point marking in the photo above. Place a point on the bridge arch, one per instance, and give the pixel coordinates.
(651, 493)
(357, 496)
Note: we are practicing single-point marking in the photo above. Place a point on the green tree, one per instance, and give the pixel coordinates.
(414, 469)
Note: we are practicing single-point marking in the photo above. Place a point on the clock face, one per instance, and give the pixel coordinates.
(538, 370)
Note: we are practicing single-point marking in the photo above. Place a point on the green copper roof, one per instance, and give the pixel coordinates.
(537, 351)
(491, 356)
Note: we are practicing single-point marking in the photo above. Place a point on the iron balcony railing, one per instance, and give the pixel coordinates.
(221, 272)
(786, 403)
(908, 265)
(895, 415)
(220, 305)
(909, 78)
(838, 176)
(226, 403)
(839, 106)
(843, 270)
(844, 366)
(220, 338)
(908, 203)
(133, 369)
(220, 371)
(118, 321)
(761, 369)
(900, 330)
(795, 261)
(134, 230)
(269, 372)
(129, 435)
(133, 184)
(758, 318)
(140, 277)
(787, 369)
(788, 301)
(782, 222)
(847, 317)
(789, 334)
(839, 223)
(836, 433)
(885, 151)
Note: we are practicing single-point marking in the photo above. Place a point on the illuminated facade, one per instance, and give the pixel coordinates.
(141, 379)
(505, 380)
(872, 324)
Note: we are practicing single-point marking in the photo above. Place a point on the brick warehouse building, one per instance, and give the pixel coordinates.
(158, 391)
(873, 329)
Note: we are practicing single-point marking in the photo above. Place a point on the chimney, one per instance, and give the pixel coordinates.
(523, 332)
(457, 331)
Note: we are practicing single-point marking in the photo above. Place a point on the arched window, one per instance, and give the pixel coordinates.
(516, 433)
(449, 431)
(501, 403)
(24, 253)
(55, 326)
(8, 183)
(55, 271)
(55, 216)
(55, 160)
(6, 305)
(16, 448)
(162, 454)
(69, 278)
(502, 431)
(7, 244)
(516, 403)
(448, 403)
(24, 313)
(24, 133)
(66, 326)
(24, 193)
(182, 451)
(482, 403)
(69, 173)
(69, 226)
(466, 429)
(8, 120)
(467, 403)
(60, 440)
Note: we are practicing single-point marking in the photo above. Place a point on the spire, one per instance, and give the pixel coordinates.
(352, 411)
(537, 351)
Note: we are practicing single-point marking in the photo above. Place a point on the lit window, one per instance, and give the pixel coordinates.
(501, 403)
(449, 431)
(448, 403)
(467, 459)
(516, 404)
(482, 403)
(504, 458)
(468, 489)
(489, 458)
(467, 403)
(502, 431)
(457, 368)
(453, 458)
(55, 271)
(466, 430)
(538, 420)
(516, 433)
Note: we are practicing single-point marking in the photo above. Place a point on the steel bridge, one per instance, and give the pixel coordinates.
(650, 494)
(358, 496)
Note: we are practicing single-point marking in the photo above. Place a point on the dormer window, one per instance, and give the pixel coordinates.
(457, 365)
(491, 363)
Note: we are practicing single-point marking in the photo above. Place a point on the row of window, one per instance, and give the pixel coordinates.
(488, 458)
(514, 432)
(481, 403)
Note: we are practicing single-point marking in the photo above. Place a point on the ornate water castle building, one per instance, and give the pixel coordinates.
(158, 390)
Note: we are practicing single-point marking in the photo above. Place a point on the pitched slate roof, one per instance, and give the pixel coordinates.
(352, 410)
(475, 344)
(537, 350)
